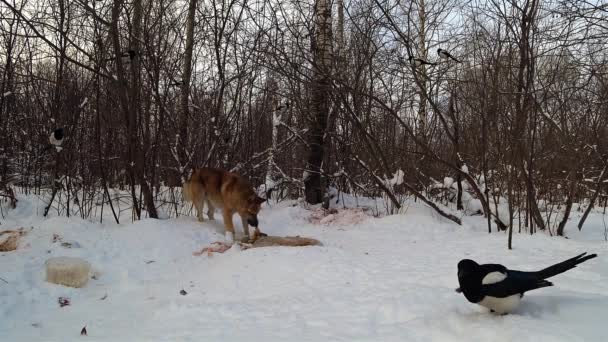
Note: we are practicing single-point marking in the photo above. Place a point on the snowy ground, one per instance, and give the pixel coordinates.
(383, 279)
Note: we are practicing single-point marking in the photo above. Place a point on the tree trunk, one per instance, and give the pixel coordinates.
(422, 53)
(123, 98)
(562, 224)
(277, 112)
(138, 154)
(320, 98)
(185, 95)
(129, 98)
(571, 193)
(510, 192)
(598, 188)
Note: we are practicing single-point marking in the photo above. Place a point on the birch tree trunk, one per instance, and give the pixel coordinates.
(269, 179)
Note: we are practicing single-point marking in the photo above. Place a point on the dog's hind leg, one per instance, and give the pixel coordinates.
(199, 204)
(210, 210)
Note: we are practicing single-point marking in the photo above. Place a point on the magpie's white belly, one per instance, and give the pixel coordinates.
(501, 305)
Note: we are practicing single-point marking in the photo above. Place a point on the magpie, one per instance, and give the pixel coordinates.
(177, 83)
(419, 61)
(130, 53)
(283, 106)
(446, 55)
(125, 56)
(56, 138)
(500, 289)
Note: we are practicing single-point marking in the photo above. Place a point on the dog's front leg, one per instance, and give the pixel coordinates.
(228, 225)
(245, 226)
(258, 233)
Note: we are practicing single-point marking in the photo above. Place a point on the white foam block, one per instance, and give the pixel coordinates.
(73, 272)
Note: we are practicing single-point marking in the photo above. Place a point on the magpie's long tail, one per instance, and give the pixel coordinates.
(564, 266)
(540, 283)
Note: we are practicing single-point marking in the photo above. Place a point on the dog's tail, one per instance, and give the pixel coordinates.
(187, 191)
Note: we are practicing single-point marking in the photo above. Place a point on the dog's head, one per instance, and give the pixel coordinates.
(254, 203)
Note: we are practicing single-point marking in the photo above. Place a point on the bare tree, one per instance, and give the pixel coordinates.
(320, 100)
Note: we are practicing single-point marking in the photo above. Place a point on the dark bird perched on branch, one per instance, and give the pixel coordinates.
(419, 61)
(177, 83)
(283, 106)
(446, 55)
(56, 138)
(126, 56)
(129, 53)
(500, 289)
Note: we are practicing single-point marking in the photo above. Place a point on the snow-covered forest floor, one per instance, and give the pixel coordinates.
(374, 279)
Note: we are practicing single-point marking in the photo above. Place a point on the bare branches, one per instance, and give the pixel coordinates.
(173, 84)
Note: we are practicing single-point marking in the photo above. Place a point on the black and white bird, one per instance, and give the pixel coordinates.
(56, 138)
(282, 106)
(177, 83)
(500, 289)
(446, 55)
(416, 62)
(129, 53)
(125, 56)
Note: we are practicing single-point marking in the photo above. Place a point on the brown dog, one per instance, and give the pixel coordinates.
(228, 191)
